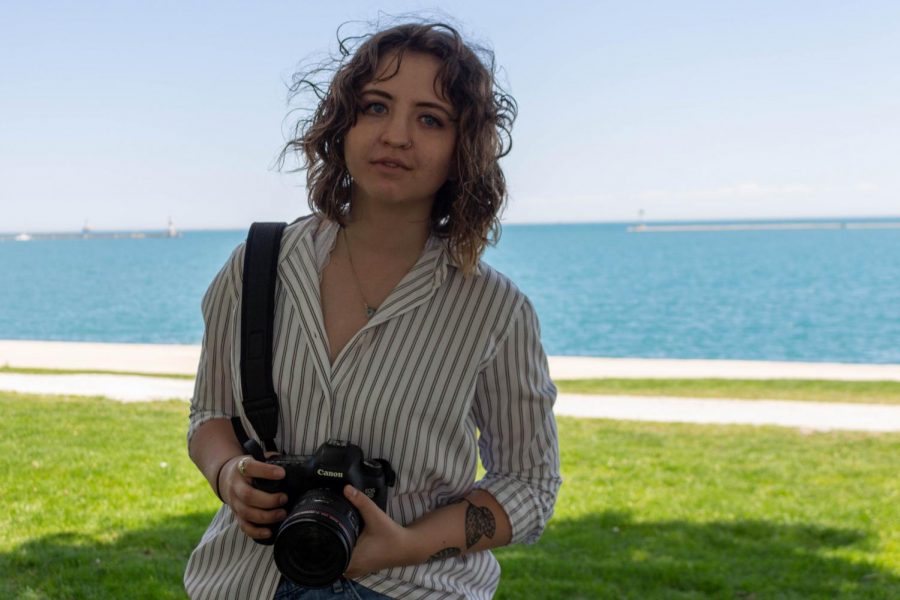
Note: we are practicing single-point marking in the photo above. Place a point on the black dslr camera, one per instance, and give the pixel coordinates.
(314, 543)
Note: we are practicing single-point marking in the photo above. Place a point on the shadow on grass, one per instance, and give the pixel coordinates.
(142, 563)
(610, 555)
(602, 556)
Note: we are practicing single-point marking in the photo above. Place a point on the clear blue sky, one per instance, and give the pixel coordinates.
(126, 113)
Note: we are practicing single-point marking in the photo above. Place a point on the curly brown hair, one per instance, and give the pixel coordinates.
(467, 207)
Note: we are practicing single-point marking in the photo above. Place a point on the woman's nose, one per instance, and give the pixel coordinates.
(396, 131)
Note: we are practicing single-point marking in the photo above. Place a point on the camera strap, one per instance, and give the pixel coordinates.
(257, 333)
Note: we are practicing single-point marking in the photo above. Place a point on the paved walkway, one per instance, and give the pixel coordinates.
(124, 388)
(182, 359)
(814, 416)
(805, 415)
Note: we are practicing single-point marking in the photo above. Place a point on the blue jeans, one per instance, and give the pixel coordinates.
(342, 589)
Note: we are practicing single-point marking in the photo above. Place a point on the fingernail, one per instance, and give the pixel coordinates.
(353, 492)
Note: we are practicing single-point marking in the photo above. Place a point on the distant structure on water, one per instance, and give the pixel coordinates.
(88, 233)
(641, 227)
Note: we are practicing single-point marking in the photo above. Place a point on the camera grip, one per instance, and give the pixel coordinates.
(265, 541)
(270, 486)
(253, 448)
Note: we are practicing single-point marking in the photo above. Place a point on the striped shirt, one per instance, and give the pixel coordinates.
(447, 368)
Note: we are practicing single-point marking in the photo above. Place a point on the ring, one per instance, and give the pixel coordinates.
(242, 464)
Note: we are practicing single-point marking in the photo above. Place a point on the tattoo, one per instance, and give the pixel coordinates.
(479, 522)
(445, 553)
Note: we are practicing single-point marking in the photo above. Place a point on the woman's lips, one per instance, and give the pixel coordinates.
(391, 163)
(387, 167)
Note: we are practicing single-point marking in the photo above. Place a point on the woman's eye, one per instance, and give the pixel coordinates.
(375, 107)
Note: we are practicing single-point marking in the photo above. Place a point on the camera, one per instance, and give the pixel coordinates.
(314, 543)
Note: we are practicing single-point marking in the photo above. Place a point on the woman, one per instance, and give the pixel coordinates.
(391, 334)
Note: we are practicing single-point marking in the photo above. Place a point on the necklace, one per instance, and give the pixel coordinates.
(370, 311)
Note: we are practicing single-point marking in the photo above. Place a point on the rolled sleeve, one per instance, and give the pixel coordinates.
(519, 445)
(213, 396)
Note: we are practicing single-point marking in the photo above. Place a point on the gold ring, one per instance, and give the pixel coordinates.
(242, 464)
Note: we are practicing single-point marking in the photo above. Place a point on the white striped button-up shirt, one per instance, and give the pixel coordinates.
(449, 366)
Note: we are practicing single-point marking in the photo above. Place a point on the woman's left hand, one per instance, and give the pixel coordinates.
(383, 543)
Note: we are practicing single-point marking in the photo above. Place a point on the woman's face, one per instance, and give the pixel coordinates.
(400, 151)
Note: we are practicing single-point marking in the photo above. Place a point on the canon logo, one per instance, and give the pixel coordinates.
(325, 473)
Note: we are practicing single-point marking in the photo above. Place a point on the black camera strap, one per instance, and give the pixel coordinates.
(257, 333)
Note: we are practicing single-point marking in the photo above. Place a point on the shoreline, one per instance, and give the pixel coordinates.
(182, 359)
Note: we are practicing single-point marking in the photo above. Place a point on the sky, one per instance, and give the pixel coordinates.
(124, 114)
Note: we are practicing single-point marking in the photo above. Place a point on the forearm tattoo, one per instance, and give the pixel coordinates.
(480, 522)
(445, 553)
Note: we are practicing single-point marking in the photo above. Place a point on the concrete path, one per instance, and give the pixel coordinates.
(124, 388)
(173, 359)
(579, 367)
(182, 360)
(815, 416)
(806, 415)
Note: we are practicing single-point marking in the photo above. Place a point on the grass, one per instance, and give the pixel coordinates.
(35, 371)
(101, 501)
(870, 392)
(860, 392)
(691, 511)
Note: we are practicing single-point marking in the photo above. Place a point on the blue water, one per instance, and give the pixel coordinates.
(815, 295)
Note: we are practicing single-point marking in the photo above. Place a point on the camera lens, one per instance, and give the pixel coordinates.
(315, 542)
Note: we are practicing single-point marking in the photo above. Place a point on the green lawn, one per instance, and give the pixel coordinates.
(872, 392)
(36, 371)
(100, 501)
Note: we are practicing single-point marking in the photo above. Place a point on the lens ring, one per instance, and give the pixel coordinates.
(316, 541)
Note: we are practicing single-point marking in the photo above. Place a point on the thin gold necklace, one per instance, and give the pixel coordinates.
(370, 311)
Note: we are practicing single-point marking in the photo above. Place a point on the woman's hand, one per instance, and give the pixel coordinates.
(251, 506)
(472, 524)
(383, 543)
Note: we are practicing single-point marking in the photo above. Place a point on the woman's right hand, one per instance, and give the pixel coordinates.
(251, 506)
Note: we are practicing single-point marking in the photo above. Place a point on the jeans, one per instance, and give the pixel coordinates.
(342, 589)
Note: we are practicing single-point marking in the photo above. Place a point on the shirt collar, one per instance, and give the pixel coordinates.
(435, 257)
